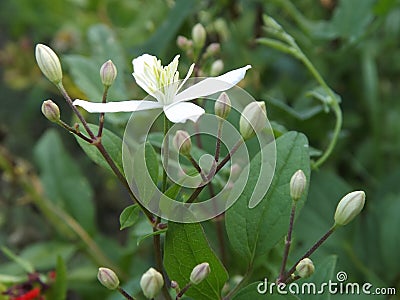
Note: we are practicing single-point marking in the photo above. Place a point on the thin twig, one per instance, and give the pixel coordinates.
(101, 118)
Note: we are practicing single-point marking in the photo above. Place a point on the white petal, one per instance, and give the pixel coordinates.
(120, 106)
(183, 111)
(186, 77)
(144, 68)
(213, 85)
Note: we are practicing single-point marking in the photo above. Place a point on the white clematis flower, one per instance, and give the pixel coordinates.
(162, 83)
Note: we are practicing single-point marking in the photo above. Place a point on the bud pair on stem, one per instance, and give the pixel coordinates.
(347, 209)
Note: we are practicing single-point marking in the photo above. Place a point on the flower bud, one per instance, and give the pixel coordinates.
(199, 35)
(253, 119)
(199, 273)
(108, 73)
(305, 268)
(216, 67)
(183, 43)
(51, 111)
(182, 142)
(297, 185)
(349, 207)
(48, 63)
(212, 49)
(151, 283)
(222, 106)
(108, 278)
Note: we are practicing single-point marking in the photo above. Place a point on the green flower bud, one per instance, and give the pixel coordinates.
(108, 73)
(51, 111)
(349, 207)
(222, 106)
(212, 49)
(183, 43)
(305, 268)
(298, 184)
(182, 142)
(48, 63)
(253, 119)
(199, 35)
(108, 278)
(216, 67)
(151, 283)
(199, 273)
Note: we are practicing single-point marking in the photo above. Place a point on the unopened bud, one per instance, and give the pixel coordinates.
(305, 268)
(48, 63)
(298, 184)
(183, 43)
(151, 283)
(51, 111)
(199, 35)
(212, 49)
(216, 67)
(182, 142)
(253, 119)
(108, 73)
(199, 273)
(222, 106)
(349, 207)
(108, 278)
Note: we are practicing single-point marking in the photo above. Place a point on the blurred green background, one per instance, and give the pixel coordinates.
(355, 44)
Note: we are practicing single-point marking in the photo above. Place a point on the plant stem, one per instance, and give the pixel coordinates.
(97, 142)
(157, 237)
(101, 118)
(197, 167)
(198, 190)
(124, 293)
(75, 110)
(287, 242)
(183, 291)
(308, 253)
(74, 131)
(218, 142)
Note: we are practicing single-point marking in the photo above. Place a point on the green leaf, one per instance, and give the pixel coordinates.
(158, 43)
(253, 232)
(185, 247)
(142, 238)
(129, 216)
(151, 162)
(24, 264)
(63, 181)
(85, 71)
(58, 290)
(111, 142)
(250, 292)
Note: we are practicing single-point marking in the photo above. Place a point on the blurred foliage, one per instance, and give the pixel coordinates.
(353, 43)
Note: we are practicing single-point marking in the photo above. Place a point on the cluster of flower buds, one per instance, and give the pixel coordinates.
(193, 48)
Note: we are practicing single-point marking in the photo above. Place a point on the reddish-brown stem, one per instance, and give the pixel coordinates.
(198, 190)
(124, 293)
(287, 242)
(101, 118)
(183, 291)
(308, 254)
